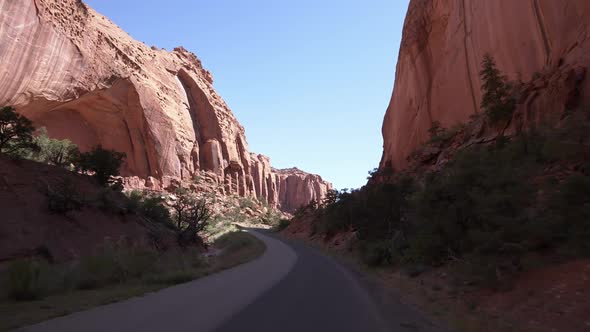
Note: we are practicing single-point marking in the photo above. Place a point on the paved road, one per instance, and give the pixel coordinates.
(289, 288)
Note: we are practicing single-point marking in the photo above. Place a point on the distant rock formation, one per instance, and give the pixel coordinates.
(544, 43)
(296, 188)
(73, 71)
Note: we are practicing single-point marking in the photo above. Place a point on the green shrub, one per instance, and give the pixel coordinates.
(114, 264)
(270, 218)
(191, 216)
(247, 203)
(16, 133)
(107, 201)
(153, 208)
(568, 213)
(233, 241)
(25, 280)
(63, 197)
(102, 163)
(283, 223)
(497, 100)
(174, 278)
(479, 201)
(485, 212)
(134, 201)
(53, 151)
(98, 270)
(376, 253)
(136, 263)
(235, 215)
(440, 134)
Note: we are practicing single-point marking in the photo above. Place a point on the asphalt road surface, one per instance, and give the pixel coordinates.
(289, 288)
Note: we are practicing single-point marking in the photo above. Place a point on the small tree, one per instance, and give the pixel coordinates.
(191, 216)
(331, 197)
(103, 163)
(54, 151)
(182, 206)
(497, 102)
(16, 132)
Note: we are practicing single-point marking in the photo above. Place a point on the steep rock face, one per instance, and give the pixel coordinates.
(73, 71)
(296, 188)
(288, 188)
(443, 44)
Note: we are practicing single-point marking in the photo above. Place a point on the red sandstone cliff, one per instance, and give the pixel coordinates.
(73, 71)
(543, 42)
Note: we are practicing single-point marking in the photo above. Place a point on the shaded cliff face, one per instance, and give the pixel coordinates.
(71, 70)
(544, 42)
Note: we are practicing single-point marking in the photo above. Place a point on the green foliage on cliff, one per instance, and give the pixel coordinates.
(497, 100)
(102, 163)
(16, 133)
(485, 212)
(53, 151)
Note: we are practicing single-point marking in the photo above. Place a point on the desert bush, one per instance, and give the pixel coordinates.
(134, 201)
(151, 207)
(53, 151)
(63, 197)
(98, 270)
(376, 253)
(191, 216)
(247, 203)
(311, 207)
(270, 218)
(113, 264)
(283, 223)
(136, 263)
(237, 216)
(568, 216)
(102, 163)
(174, 277)
(26, 280)
(440, 134)
(107, 201)
(232, 242)
(476, 203)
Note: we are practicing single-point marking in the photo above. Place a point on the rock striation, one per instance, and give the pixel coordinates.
(296, 188)
(544, 43)
(71, 70)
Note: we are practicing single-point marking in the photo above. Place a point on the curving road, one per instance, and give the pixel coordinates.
(289, 288)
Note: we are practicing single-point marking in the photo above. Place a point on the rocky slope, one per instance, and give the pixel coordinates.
(544, 43)
(29, 228)
(73, 71)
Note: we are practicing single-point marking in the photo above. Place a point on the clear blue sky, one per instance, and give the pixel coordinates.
(310, 80)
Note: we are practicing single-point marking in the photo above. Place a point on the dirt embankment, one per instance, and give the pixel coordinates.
(31, 226)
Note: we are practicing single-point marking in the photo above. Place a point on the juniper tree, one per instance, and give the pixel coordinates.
(16, 132)
(497, 102)
(104, 163)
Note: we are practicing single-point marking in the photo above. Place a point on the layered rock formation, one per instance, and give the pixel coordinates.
(73, 71)
(291, 188)
(296, 188)
(543, 42)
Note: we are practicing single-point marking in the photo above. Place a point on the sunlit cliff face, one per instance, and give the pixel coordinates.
(71, 70)
(440, 59)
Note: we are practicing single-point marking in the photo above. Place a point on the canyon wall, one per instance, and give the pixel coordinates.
(71, 70)
(544, 43)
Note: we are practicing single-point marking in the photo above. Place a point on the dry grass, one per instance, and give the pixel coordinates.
(235, 248)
